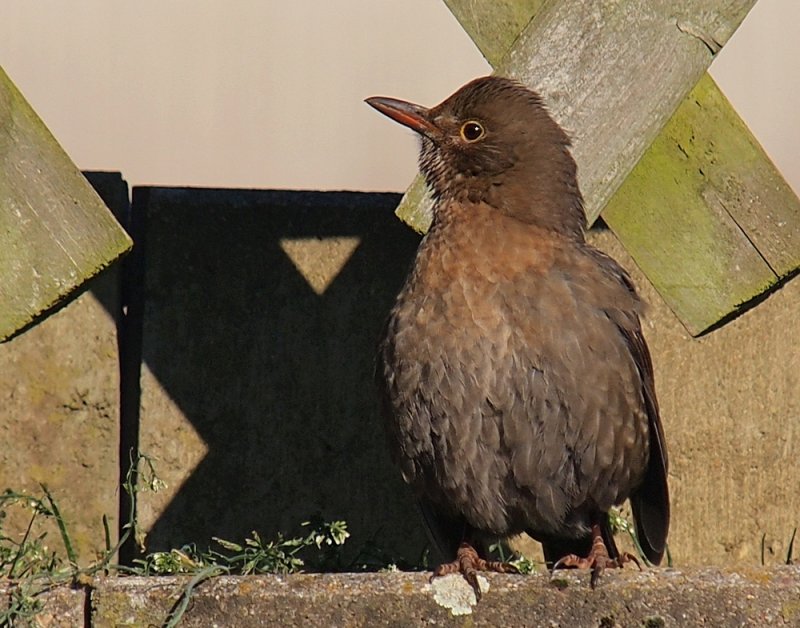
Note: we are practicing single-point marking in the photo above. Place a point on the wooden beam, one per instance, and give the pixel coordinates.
(55, 231)
(603, 71)
(705, 213)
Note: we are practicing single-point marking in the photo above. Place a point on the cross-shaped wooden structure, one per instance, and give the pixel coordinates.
(661, 152)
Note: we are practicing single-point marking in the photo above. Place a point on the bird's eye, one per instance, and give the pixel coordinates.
(472, 131)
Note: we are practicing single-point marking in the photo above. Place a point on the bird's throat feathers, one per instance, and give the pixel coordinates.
(542, 191)
(519, 162)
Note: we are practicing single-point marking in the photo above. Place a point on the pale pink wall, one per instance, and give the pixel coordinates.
(268, 94)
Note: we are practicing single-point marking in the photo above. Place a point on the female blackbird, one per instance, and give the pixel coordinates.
(516, 385)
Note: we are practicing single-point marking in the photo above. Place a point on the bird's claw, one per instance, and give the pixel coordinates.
(597, 563)
(468, 563)
(598, 559)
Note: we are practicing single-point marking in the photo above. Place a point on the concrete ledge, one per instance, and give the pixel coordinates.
(21, 606)
(652, 598)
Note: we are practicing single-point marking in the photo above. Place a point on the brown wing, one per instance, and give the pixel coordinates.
(650, 501)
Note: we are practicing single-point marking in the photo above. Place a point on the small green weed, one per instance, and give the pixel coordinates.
(319, 547)
(621, 521)
(32, 568)
(29, 564)
(523, 564)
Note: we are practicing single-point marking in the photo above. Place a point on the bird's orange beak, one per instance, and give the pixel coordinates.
(406, 113)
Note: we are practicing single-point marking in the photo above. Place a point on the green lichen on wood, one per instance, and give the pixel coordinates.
(740, 175)
(416, 206)
(674, 212)
(55, 232)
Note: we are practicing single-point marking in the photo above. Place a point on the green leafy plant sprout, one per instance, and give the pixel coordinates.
(621, 522)
(319, 546)
(32, 568)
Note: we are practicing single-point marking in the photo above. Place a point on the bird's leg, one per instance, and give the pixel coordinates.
(598, 558)
(468, 563)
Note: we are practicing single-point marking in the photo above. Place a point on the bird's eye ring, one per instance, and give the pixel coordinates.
(472, 131)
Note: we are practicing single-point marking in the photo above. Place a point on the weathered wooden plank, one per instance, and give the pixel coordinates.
(55, 231)
(738, 175)
(705, 214)
(684, 240)
(603, 71)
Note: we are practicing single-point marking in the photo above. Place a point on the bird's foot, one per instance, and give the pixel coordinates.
(468, 564)
(598, 559)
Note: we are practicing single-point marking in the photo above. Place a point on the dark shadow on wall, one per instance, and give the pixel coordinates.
(275, 378)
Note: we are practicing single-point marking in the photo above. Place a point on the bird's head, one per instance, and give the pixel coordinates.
(494, 142)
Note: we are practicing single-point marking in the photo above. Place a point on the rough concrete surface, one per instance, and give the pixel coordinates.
(652, 598)
(56, 607)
